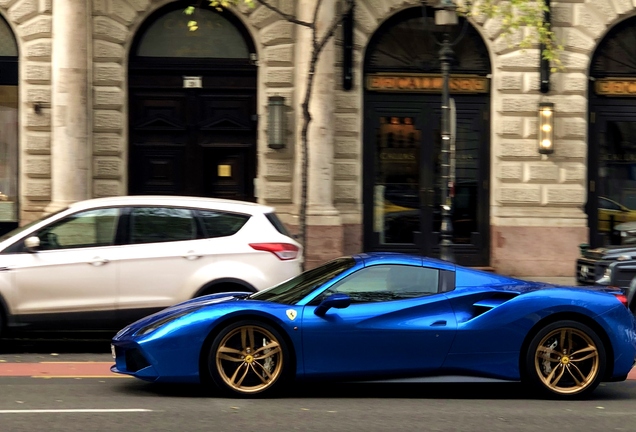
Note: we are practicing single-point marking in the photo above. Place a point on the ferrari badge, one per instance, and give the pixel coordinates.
(291, 314)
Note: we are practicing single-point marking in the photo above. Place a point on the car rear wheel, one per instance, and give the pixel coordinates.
(566, 359)
(249, 358)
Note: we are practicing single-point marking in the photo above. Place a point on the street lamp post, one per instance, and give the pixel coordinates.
(446, 15)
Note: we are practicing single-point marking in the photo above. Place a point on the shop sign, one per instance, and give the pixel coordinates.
(422, 83)
(615, 86)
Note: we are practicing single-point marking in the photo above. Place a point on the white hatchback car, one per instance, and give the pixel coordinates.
(103, 263)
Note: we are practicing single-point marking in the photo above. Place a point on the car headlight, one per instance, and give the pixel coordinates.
(606, 278)
(160, 323)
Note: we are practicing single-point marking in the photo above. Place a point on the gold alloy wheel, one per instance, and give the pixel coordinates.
(249, 359)
(567, 360)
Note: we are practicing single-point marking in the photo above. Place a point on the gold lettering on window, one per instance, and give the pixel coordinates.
(615, 87)
(426, 83)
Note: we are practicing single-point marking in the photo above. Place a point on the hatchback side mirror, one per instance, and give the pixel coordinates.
(32, 243)
(338, 301)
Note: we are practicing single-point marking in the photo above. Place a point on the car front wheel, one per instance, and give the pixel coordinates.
(566, 359)
(248, 358)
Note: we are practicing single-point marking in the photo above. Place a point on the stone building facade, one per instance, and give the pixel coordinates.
(82, 78)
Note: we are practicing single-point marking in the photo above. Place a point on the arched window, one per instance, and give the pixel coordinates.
(8, 128)
(216, 37)
(616, 54)
(8, 46)
(409, 41)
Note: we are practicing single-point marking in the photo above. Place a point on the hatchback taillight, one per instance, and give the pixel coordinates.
(284, 251)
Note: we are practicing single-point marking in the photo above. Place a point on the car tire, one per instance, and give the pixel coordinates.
(249, 359)
(566, 360)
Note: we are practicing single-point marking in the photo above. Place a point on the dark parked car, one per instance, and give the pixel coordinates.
(593, 263)
(622, 274)
(611, 268)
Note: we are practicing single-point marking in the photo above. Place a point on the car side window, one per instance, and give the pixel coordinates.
(91, 228)
(607, 205)
(161, 224)
(387, 282)
(221, 224)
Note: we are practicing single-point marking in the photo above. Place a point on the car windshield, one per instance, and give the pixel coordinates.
(27, 226)
(295, 289)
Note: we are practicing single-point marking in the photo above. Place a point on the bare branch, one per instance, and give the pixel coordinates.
(314, 21)
(332, 28)
(286, 16)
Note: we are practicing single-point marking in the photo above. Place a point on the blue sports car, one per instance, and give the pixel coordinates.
(387, 317)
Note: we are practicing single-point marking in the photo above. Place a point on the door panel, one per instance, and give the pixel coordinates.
(396, 338)
(161, 255)
(403, 179)
(154, 274)
(226, 177)
(185, 142)
(68, 281)
(74, 271)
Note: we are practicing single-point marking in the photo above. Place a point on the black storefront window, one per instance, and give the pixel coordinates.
(8, 129)
(402, 139)
(611, 200)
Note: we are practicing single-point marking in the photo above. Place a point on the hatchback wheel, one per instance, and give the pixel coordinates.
(249, 358)
(566, 359)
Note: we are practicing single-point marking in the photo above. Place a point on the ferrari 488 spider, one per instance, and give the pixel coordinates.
(387, 317)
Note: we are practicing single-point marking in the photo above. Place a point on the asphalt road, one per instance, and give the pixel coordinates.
(113, 403)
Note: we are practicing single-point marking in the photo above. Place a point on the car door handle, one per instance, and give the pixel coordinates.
(439, 323)
(97, 261)
(191, 255)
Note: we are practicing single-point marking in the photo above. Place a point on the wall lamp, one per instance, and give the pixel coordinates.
(446, 13)
(546, 128)
(276, 115)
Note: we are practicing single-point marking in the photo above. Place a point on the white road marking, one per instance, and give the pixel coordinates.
(40, 411)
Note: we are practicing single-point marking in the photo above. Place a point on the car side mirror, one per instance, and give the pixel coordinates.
(32, 243)
(338, 301)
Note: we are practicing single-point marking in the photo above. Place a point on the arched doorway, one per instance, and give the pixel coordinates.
(8, 129)
(192, 106)
(612, 135)
(402, 142)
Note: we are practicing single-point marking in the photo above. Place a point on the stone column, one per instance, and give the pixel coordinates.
(69, 106)
(324, 228)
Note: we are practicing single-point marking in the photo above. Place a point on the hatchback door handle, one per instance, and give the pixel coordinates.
(191, 255)
(97, 261)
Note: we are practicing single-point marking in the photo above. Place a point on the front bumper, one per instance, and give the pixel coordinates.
(588, 270)
(131, 360)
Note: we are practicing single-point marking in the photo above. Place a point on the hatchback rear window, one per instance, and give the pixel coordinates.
(221, 224)
(277, 224)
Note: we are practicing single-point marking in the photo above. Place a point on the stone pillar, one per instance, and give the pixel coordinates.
(69, 106)
(324, 228)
